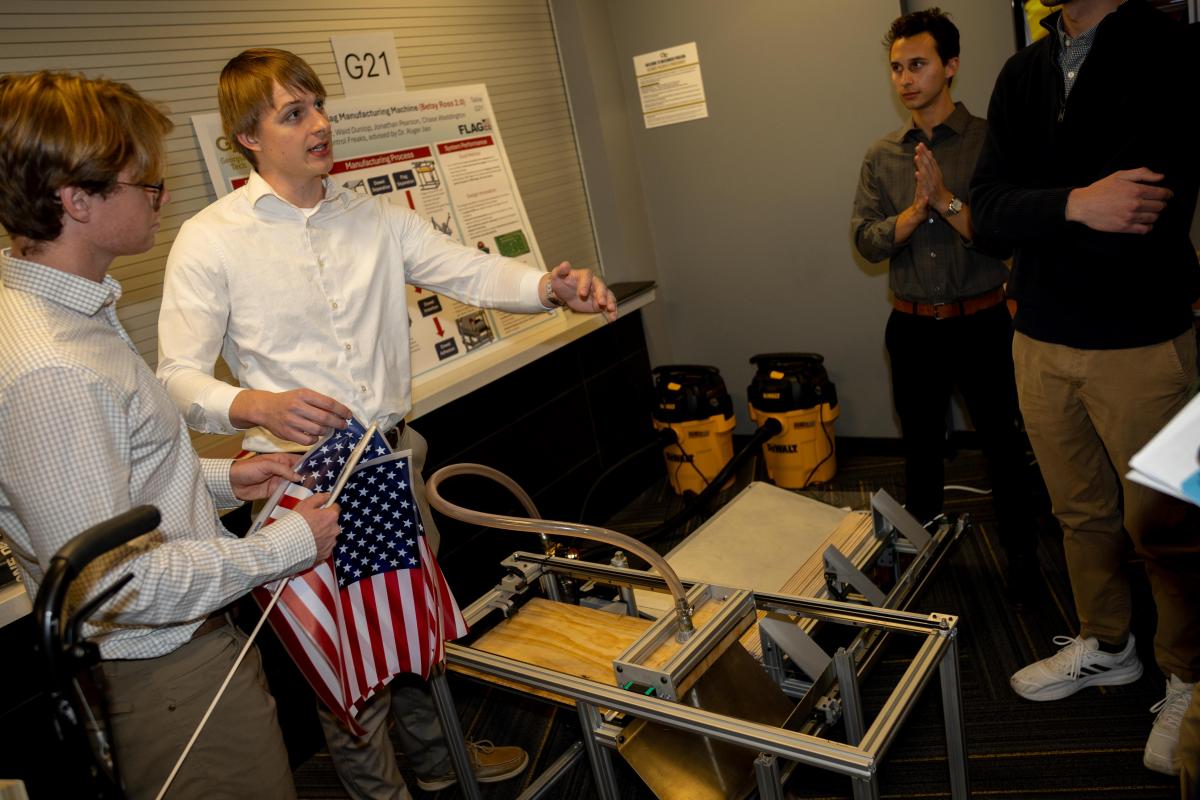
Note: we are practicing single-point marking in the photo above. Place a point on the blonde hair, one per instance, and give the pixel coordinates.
(247, 89)
(60, 129)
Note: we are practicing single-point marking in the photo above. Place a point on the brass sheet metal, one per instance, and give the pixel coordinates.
(677, 765)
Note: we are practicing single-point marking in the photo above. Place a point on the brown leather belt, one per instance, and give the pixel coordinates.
(955, 308)
(393, 436)
(215, 622)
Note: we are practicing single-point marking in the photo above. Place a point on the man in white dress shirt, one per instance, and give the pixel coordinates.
(299, 285)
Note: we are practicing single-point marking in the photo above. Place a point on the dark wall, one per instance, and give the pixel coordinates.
(553, 426)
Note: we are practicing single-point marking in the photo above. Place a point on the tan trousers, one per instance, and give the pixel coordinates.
(1189, 749)
(411, 440)
(156, 703)
(1087, 412)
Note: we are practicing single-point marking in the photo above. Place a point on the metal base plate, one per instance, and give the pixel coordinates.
(683, 766)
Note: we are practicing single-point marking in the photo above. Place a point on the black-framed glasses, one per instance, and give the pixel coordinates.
(156, 188)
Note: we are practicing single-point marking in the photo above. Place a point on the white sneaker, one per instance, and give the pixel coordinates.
(1162, 748)
(1078, 664)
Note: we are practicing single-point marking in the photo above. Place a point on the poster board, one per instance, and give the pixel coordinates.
(439, 153)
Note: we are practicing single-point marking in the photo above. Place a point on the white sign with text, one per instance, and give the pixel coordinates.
(367, 63)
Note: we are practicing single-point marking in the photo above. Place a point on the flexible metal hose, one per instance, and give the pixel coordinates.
(544, 526)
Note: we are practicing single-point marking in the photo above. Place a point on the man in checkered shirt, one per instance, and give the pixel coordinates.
(88, 432)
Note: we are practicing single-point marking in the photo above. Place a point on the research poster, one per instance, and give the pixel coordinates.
(437, 152)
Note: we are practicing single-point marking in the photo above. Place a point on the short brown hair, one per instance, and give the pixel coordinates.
(60, 129)
(933, 21)
(247, 89)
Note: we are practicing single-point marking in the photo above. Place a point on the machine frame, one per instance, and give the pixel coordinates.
(859, 759)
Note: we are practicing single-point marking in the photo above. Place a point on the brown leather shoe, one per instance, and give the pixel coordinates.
(492, 764)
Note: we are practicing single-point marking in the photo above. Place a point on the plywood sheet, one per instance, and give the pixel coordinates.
(570, 639)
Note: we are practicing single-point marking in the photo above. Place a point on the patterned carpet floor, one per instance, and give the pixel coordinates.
(1085, 746)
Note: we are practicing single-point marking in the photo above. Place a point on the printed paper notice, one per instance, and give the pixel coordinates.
(670, 85)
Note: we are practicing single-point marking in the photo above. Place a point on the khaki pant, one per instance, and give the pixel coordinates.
(156, 703)
(1087, 412)
(366, 765)
(411, 440)
(1189, 749)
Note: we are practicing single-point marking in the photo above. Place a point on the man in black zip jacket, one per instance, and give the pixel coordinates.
(1090, 173)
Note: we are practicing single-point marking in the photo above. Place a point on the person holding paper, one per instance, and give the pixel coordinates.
(1090, 172)
(87, 432)
(300, 285)
(950, 326)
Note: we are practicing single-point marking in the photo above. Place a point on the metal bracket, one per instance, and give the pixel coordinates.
(830, 707)
(521, 575)
(840, 574)
(889, 515)
(640, 665)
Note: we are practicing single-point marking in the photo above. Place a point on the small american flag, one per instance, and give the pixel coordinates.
(379, 606)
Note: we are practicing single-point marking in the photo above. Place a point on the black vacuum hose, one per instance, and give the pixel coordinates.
(768, 430)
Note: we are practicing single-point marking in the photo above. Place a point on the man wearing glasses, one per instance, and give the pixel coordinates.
(87, 432)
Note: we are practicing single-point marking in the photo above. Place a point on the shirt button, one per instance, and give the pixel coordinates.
(932, 254)
(931, 220)
(1071, 75)
(333, 305)
(362, 388)
(348, 345)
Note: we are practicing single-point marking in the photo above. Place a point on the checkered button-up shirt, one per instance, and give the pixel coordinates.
(87, 432)
(1072, 50)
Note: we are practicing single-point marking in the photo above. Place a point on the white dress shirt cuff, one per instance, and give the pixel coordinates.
(530, 282)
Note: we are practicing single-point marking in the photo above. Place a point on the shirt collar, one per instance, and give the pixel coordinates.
(1059, 31)
(1054, 26)
(957, 122)
(257, 188)
(70, 291)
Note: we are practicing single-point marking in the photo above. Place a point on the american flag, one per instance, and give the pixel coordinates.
(379, 606)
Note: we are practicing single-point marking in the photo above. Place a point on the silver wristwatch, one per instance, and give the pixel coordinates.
(954, 207)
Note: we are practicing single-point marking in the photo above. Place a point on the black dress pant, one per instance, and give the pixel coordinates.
(930, 358)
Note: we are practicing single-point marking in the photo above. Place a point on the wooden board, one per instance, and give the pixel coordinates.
(570, 639)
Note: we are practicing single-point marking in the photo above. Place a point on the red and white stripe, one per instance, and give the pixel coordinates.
(351, 643)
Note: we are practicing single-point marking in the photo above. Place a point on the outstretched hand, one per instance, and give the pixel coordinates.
(583, 291)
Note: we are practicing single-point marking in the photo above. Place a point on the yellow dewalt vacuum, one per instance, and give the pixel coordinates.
(794, 389)
(691, 401)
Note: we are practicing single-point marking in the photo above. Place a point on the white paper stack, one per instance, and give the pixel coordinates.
(1169, 462)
